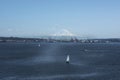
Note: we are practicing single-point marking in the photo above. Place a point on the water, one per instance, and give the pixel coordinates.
(29, 61)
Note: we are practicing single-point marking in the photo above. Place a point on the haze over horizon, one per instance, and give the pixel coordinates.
(30, 18)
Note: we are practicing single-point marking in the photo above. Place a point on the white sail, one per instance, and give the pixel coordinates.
(68, 59)
(39, 45)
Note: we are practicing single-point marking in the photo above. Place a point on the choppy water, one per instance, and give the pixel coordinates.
(31, 61)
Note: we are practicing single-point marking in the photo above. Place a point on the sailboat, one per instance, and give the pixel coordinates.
(39, 45)
(68, 59)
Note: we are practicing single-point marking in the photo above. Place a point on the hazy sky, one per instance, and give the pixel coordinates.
(96, 18)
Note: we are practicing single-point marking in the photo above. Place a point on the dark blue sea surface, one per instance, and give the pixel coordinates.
(46, 61)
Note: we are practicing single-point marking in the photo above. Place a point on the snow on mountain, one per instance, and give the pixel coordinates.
(63, 32)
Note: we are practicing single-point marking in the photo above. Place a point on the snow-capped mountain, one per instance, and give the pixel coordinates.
(63, 32)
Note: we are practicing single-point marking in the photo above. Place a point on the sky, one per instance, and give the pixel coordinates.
(30, 18)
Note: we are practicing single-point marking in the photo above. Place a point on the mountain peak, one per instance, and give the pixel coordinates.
(63, 32)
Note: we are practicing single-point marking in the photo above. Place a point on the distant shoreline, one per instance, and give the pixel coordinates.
(51, 40)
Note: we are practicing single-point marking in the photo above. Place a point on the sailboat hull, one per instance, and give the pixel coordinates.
(67, 62)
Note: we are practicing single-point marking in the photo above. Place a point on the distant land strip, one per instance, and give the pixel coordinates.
(52, 40)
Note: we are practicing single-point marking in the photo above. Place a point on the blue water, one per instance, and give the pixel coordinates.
(29, 61)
